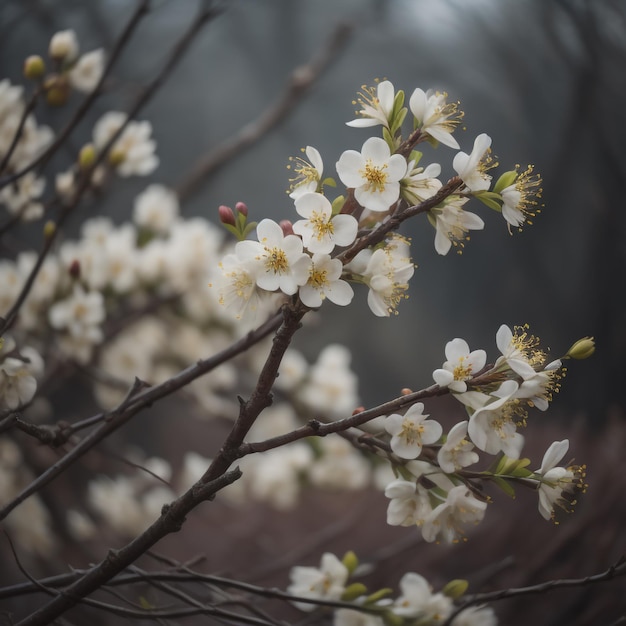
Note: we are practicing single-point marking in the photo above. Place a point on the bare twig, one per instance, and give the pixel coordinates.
(300, 81)
(616, 570)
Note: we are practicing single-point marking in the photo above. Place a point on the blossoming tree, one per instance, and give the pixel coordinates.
(173, 303)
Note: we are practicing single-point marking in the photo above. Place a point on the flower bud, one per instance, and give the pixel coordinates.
(242, 207)
(226, 215)
(582, 349)
(87, 156)
(49, 229)
(351, 561)
(34, 67)
(353, 591)
(455, 588)
(57, 90)
(287, 227)
(74, 269)
(116, 157)
(64, 46)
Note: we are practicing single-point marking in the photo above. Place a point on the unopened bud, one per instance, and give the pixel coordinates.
(359, 409)
(353, 591)
(351, 561)
(87, 156)
(57, 90)
(34, 67)
(287, 227)
(242, 207)
(405, 391)
(49, 229)
(455, 588)
(64, 46)
(116, 157)
(582, 349)
(226, 215)
(74, 269)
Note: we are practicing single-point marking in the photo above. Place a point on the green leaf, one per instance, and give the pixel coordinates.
(353, 591)
(504, 485)
(233, 230)
(398, 120)
(329, 182)
(337, 204)
(507, 179)
(249, 228)
(378, 595)
(489, 199)
(388, 137)
(416, 156)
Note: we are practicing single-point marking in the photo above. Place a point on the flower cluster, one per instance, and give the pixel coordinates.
(19, 370)
(312, 258)
(433, 492)
(21, 199)
(416, 601)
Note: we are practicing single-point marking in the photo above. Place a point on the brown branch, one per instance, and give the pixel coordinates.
(123, 413)
(299, 83)
(379, 233)
(616, 570)
(171, 520)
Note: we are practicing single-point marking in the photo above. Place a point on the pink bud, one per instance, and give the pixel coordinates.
(242, 207)
(226, 215)
(74, 269)
(287, 227)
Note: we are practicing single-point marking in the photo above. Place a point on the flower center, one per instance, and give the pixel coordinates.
(318, 278)
(461, 371)
(412, 433)
(376, 176)
(276, 261)
(322, 226)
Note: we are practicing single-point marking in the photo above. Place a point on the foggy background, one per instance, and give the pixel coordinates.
(545, 80)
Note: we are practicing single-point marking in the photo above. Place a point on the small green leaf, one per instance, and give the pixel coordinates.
(329, 182)
(506, 180)
(455, 588)
(416, 156)
(504, 485)
(388, 137)
(353, 591)
(337, 204)
(489, 199)
(249, 228)
(378, 595)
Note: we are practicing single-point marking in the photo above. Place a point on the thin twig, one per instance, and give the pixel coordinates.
(298, 84)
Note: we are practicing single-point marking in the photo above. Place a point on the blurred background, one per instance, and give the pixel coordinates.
(546, 80)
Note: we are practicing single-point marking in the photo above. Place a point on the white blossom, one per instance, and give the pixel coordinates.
(320, 231)
(278, 260)
(452, 223)
(420, 183)
(447, 519)
(80, 314)
(308, 174)
(457, 451)
(324, 281)
(411, 431)
(133, 151)
(418, 601)
(386, 271)
(435, 116)
(472, 168)
(376, 105)
(326, 582)
(156, 209)
(64, 46)
(409, 505)
(493, 428)
(558, 484)
(374, 173)
(461, 365)
(87, 71)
